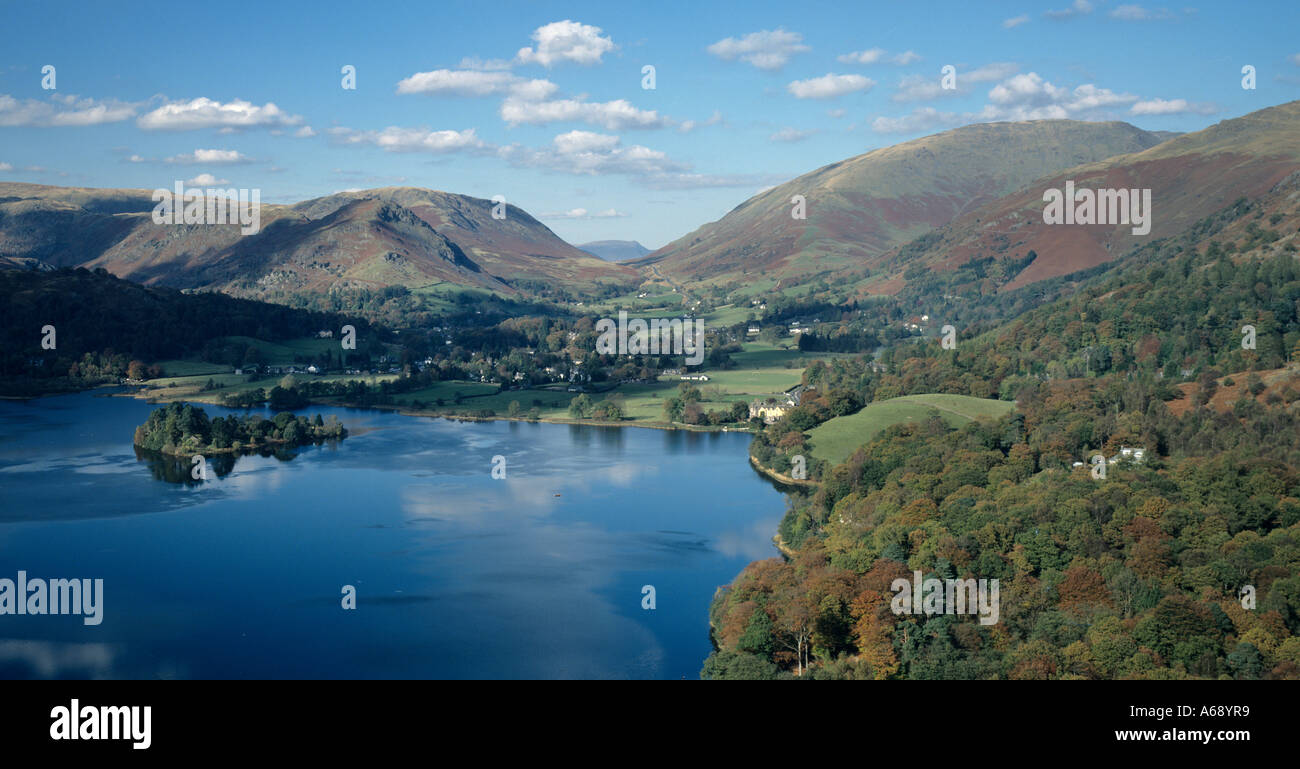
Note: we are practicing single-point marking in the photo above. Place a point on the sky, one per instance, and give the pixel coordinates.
(547, 104)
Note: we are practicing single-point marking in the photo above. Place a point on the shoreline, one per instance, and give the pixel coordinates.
(143, 393)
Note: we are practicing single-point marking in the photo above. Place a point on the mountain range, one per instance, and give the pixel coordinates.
(910, 214)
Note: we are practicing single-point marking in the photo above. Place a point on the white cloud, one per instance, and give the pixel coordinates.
(612, 115)
(869, 56)
(305, 132)
(589, 153)
(566, 40)
(207, 113)
(767, 49)
(205, 180)
(1015, 21)
(1020, 97)
(1079, 8)
(694, 181)
(905, 58)
(1172, 107)
(474, 62)
(829, 86)
(925, 87)
(1138, 13)
(63, 111)
(582, 213)
(836, 113)
(6, 167)
(920, 120)
(690, 125)
(396, 139)
(476, 83)
(790, 135)
(205, 157)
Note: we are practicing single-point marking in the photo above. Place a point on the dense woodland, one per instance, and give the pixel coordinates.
(107, 329)
(1136, 575)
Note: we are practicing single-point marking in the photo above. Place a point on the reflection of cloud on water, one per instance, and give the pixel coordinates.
(51, 659)
(753, 542)
(516, 494)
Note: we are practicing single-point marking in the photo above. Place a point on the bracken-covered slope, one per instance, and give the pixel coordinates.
(861, 207)
(1190, 177)
(369, 238)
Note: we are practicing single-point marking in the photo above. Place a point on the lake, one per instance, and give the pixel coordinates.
(457, 574)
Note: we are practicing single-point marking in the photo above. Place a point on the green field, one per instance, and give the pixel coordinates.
(836, 440)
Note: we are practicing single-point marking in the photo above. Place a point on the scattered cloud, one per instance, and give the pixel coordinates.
(207, 113)
(63, 111)
(615, 115)
(467, 82)
(869, 56)
(768, 49)
(924, 87)
(474, 62)
(1015, 21)
(836, 113)
(305, 132)
(790, 135)
(562, 41)
(590, 153)
(1172, 107)
(397, 139)
(206, 157)
(582, 213)
(905, 58)
(205, 180)
(687, 126)
(1020, 97)
(1138, 13)
(6, 167)
(1079, 8)
(829, 86)
(922, 120)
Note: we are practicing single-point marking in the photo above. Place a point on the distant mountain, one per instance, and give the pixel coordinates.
(370, 238)
(615, 250)
(859, 208)
(1190, 177)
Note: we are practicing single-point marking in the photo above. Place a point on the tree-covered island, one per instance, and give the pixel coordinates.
(180, 429)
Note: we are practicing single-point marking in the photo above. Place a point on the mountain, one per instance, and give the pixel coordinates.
(859, 208)
(363, 239)
(1190, 177)
(615, 250)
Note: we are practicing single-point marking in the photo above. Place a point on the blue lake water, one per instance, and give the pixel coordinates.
(457, 574)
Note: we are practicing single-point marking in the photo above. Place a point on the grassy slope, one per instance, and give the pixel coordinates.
(836, 440)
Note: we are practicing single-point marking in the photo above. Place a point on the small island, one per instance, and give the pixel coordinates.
(180, 429)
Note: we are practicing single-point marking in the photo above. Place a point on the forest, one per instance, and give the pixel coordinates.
(1183, 564)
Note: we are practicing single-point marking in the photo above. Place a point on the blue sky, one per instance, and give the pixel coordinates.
(542, 102)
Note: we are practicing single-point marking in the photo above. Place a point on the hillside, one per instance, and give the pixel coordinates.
(1190, 177)
(835, 440)
(859, 208)
(366, 239)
